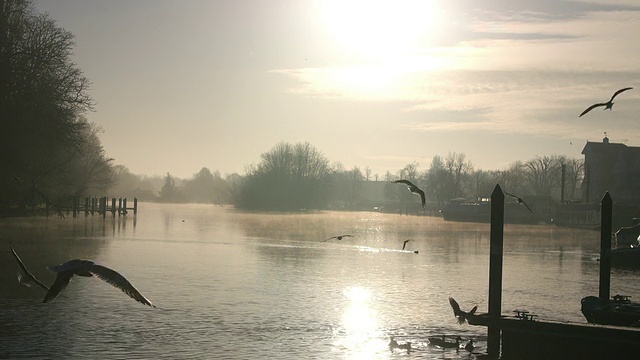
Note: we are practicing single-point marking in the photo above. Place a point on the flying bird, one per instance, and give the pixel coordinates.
(519, 200)
(88, 268)
(462, 316)
(414, 189)
(339, 237)
(608, 104)
(27, 279)
(404, 244)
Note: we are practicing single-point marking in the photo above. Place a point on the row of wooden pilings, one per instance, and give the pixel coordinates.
(511, 338)
(100, 206)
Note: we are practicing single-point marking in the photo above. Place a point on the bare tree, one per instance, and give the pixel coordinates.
(541, 174)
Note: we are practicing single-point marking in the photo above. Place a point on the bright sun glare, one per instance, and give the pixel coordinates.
(383, 43)
(360, 325)
(378, 29)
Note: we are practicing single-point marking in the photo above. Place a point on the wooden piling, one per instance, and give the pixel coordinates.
(606, 220)
(86, 206)
(495, 272)
(135, 206)
(124, 206)
(113, 207)
(119, 206)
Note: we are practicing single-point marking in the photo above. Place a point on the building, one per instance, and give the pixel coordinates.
(614, 168)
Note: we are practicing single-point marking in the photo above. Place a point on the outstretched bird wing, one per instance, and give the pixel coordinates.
(618, 92)
(114, 278)
(454, 306)
(421, 193)
(62, 280)
(592, 107)
(26, 271)
(403, 181)
(405, 243)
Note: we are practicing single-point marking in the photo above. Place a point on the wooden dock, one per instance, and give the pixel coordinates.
(523, 337)
(98, 206)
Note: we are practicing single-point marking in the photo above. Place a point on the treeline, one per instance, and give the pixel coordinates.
(291, 177)
(50, 152)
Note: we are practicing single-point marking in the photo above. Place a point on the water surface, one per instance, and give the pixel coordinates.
(236, 285)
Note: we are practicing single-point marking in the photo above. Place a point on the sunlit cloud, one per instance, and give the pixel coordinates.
(513, 74)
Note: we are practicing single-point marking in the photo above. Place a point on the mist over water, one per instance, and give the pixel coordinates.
(231, 284)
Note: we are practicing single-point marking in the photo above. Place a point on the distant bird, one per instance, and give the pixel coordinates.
(404, 244)
(414, 189)
(443, 343)
(339, 237)
(520, 201)
(16, 178)
(462, 316)
(392, 343)
(88, 268)
(469, 346)
(27, 279)
(608, 104)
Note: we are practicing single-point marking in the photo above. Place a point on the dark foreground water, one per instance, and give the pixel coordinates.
(234, 285)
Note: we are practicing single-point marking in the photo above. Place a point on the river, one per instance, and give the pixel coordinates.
(235, 285)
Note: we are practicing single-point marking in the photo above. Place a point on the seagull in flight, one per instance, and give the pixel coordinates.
(608, 104)
(404, 244)
(27, 279)
(462, 316)
(414, 189)
(520, 201)
(88, 268)
(339, 237)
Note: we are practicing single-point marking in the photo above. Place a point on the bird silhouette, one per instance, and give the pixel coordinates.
(339, 237)
(414, 189)
(88, 268)
(608, 104)
(520, 201)
(404, 244)
(443, 343)
(27, 279)
(462, 316)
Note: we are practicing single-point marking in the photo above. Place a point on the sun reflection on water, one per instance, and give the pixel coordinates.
(360, 336)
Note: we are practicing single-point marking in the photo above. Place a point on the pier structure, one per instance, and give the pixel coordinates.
(523, 336)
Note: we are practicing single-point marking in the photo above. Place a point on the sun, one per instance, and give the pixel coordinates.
(378, 30)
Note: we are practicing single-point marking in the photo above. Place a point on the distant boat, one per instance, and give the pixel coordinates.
(460, 209)
(579, 216)
(628, 235)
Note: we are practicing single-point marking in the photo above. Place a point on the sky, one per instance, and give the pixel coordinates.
(181, 85)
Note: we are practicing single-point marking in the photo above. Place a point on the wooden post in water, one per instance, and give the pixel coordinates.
(119, 206)
(124, 206)
(495, 272)
(93, 205)
(104, 207)
(135, 206)
(605, 246)
(74, 211)
(86, 206)
(113, 207)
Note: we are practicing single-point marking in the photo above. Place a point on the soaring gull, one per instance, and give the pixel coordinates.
(414, 189)
(88, 268)
(519, 200)
(339, 237)
(608, 104)
(27, 279)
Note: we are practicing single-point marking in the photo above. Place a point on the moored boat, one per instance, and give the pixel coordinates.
(618, 310)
